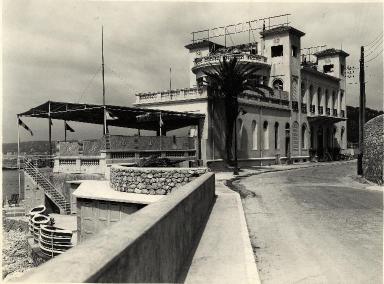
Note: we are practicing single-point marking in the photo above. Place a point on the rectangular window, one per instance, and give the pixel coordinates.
(328, 68)
(294, 51)
(342, 69)
(277, 51)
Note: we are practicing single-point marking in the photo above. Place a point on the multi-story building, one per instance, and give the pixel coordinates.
(304, 117)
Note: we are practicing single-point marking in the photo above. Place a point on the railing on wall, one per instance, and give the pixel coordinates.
(172, 95)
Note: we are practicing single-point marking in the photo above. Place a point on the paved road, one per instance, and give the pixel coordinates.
(314, 225)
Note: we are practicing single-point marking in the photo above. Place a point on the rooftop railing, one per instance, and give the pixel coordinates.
(214, 59)
(172, 95)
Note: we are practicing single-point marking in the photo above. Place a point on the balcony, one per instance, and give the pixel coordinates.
(168, 96)
(321, 110)
(312, 109)
(304, 108)
(334, 112)
(328, 111)
(207, 61)
(279, 97)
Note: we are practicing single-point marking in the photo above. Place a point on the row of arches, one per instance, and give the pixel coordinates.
(262, 142)
(330, 97)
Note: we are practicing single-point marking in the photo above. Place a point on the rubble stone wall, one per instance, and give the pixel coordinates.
(373, 153)
(158, 181)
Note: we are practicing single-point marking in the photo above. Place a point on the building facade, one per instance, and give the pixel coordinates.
(303, 118)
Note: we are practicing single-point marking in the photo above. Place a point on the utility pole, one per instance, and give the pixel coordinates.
(361, 114)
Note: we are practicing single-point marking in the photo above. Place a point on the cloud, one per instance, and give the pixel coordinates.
(52, 49)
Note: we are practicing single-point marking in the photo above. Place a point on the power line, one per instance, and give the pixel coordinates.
(380, 53)
(380, 35)
(374, 48)
(83, 92)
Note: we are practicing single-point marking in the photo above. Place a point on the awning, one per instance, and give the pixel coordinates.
(128, 117)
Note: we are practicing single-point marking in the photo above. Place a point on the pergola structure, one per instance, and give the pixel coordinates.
(160, 121)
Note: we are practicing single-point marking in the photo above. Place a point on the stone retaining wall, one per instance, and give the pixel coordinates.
(373, 155)
(152, 180)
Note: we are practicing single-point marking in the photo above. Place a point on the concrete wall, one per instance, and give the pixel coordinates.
(33, 195)
(373, 153)
(95, 215)
(152, 245)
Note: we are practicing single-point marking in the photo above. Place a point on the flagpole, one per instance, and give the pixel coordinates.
(50, 133)
(102, 67)
(18, 154)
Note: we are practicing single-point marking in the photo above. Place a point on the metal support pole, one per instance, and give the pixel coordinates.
(50, 133)
(18, 155)
(65, 131)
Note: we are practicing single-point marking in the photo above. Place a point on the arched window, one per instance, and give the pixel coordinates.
(326, 99)
(342, 136)
(266, 135)
(304, 144)
(254, 135)
(303, 93)
(333, 99)
(278, 84)
(311, 95)
(319, 96)
(277, 142)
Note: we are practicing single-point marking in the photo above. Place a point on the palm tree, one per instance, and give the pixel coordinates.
(227, 82)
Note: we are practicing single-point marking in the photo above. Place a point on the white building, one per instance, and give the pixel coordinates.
(305, 117)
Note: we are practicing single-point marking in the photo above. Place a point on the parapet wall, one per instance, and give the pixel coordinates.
(158, 181)
(373, 155)
(152, 245)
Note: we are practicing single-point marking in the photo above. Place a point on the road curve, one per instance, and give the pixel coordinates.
(314, 225)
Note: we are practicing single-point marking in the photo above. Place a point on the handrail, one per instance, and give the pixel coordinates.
(37, 175)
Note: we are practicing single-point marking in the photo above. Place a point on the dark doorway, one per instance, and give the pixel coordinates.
(320, 145)
(287, 141)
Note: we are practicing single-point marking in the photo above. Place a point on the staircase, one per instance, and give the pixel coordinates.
(44, 184)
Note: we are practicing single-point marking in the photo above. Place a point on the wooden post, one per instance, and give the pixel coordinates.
(361, 114)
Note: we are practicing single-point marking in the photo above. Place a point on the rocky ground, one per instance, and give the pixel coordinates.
(15, 251)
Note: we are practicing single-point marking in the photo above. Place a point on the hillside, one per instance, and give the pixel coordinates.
(353, 121)
(29, 147)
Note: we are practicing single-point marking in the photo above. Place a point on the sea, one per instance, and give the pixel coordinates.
(11, 183)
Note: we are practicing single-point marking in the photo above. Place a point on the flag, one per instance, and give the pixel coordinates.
(25, 126)
(110, 116)
(67, 127)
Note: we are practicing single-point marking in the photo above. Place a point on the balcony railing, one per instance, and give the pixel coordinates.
(342, 112)
(334, 112)
(304, 108)
(173, 95)
(321, 110)
(328, 111)
(278, 97)
(215, 59)
(312, 108)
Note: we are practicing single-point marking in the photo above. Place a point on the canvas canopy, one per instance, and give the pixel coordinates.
(128, 117)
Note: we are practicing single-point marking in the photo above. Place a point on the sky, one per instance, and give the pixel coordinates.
(52, 50)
